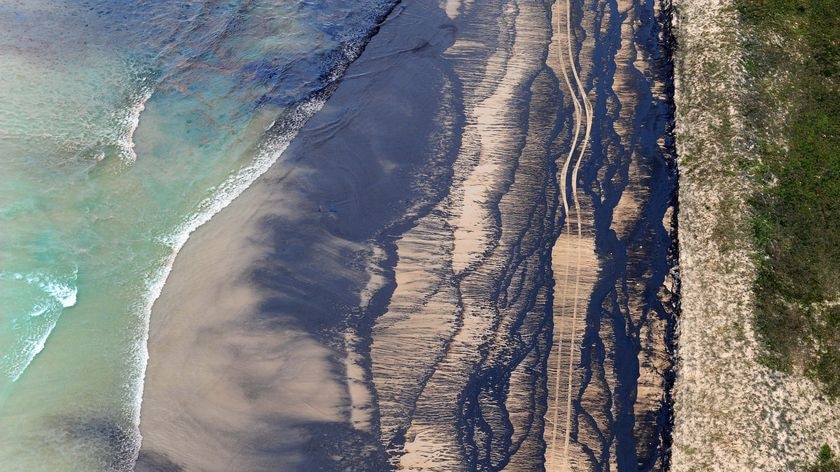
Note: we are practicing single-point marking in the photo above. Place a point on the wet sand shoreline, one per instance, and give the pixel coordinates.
(234, 351)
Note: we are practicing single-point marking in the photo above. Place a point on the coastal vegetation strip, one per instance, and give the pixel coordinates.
(826, 461)
(731, 410)
(793, 67)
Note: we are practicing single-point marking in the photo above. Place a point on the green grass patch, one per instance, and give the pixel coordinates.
(826, 461)
(793, 62)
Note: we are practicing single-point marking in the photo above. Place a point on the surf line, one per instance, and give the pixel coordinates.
(579, 110)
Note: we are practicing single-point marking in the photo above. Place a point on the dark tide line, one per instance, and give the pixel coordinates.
(487, 433)
(532, 320)
(651, 122)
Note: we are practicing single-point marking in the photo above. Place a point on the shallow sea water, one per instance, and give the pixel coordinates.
(123, 126)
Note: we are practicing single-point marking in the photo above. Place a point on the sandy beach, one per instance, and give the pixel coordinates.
(387, 295)
(240, 375)
(419, 236)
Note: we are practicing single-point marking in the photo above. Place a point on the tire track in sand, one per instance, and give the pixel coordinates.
(587, 109)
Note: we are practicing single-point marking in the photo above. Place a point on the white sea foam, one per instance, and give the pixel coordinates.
(64, 293)
(38, 324)
(31, 348)
(129, 123)
(38, 311)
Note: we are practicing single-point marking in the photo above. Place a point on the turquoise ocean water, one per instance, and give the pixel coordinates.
(123, 126)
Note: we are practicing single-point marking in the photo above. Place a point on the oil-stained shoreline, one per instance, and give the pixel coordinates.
(390, 293)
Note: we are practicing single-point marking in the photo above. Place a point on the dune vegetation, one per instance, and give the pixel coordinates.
(793, 66)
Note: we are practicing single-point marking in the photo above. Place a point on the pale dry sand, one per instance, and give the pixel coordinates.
(574, 258)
